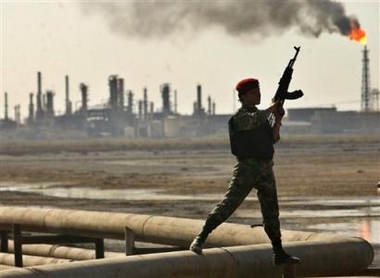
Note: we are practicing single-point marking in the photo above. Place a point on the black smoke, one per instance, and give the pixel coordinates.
(258, 19)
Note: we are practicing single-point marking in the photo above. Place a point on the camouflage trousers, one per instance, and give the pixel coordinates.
(249, 174)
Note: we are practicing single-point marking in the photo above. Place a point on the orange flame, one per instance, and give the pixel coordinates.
(357, 34)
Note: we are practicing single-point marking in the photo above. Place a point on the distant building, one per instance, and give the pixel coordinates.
(329, 120)
(305, 114)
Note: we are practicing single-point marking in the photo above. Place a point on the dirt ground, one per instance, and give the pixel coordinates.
(304, 170)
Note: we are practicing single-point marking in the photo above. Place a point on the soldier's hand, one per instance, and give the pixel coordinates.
(276, 109)
(279, 111)
(273, 107)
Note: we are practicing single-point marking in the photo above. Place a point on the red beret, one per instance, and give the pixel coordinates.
(247, 84)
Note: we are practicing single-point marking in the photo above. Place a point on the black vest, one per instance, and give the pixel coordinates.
(255, 143)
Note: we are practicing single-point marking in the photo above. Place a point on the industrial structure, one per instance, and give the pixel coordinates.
(369, 97)
(117, 117)
(124, 116)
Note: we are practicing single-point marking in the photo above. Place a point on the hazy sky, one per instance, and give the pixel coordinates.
(184, 44)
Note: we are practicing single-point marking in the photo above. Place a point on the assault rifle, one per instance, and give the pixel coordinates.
(283, 86)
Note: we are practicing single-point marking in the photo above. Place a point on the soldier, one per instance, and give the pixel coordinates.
(252, 137)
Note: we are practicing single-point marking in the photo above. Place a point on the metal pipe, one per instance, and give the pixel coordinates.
(27, 260)
(320, 253)
(62, 252)
(252, 261)
(3, 267)
(155, 229)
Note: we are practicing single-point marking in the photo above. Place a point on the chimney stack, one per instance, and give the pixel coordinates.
(140, 109)
(112, 82)
(68, 102)
(40, 112)
(145, 104)
(369, 97)
(120, 89)
(6, 106)
(49, 104)
(209, 105)
(84, 88)
(365, 100)
(18, 114)
(130, 103)
(165, 90)
(31, 108)
(175, 102)
(151, 108)
(199, 97)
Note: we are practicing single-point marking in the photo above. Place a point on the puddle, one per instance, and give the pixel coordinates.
(363, 214)
(333, 202)
(122, 194)
(367, 228)
(108, 194)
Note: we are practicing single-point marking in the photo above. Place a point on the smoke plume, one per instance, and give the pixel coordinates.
(258, 19)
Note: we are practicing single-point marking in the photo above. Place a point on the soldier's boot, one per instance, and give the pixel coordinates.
(280, 257)
(197, 245)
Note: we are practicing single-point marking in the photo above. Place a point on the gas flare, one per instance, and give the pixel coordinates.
(357, 34)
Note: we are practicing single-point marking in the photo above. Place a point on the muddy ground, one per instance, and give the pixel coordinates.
(187, 181)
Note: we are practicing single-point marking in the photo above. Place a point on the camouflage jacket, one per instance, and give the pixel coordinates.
(250, 133)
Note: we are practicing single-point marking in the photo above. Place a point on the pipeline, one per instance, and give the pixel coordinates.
(254, 261)
(155, 229)
(321, 254)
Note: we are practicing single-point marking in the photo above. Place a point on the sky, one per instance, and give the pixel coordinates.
(211, 43)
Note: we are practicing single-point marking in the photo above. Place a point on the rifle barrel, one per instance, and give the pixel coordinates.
(291, 62)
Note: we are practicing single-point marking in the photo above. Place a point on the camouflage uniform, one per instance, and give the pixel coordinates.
(251, 172)
(252, 137)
